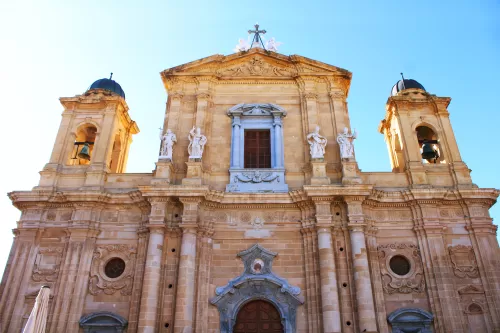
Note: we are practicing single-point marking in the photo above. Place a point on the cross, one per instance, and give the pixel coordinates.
(256, 37)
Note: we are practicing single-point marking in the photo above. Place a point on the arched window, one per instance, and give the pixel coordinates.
(84, 145)
(429, 145)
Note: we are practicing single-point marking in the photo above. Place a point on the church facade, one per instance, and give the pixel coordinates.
(256, 217)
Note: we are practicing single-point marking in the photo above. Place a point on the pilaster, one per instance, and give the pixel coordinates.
(152, 269)
(367, 320)
(329, 292)
(184, 307)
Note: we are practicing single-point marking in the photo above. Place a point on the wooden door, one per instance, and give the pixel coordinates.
(258, 317)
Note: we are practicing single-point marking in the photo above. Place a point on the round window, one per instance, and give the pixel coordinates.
(114, 268)
(399, 265)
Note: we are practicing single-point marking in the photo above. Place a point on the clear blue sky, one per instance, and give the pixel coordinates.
(51, 49)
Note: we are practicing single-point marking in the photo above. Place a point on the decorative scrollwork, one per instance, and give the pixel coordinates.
(99, 282)
(463, 261)
(392, 282)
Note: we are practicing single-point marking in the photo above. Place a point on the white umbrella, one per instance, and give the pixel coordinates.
(38, 317)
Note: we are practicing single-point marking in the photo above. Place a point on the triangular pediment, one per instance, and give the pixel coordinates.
(255, 63)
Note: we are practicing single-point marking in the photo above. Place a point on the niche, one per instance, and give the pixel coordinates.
(429, 145)
(83, 147)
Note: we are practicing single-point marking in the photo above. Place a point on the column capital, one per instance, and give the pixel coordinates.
(357, 227)
(156, 229)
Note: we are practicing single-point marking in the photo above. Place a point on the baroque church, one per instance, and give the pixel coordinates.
(256, 218)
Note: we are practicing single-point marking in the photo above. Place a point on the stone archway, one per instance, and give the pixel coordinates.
(258, 316)
(257, 283)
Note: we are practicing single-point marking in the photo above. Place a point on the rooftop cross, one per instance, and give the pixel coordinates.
(257, 41)
(256, 38)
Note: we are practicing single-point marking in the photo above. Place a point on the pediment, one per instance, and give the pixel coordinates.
(255, 63)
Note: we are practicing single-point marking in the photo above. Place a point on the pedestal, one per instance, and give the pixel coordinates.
(350, 172)
(164, 172)
(194, 173)
(319, 176)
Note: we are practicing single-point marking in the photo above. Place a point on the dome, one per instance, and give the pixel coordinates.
(405, 84)
(108, 84)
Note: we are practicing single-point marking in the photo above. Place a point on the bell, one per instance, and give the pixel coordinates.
(429, 153)
(84, 153)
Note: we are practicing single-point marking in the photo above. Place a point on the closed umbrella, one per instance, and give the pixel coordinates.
(38, 317)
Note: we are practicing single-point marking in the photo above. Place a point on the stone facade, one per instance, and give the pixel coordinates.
(184, 248)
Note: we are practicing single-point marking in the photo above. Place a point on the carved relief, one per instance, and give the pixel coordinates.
(413, 280)
(47, 264)
(463, 261)
(256, 177)
(472, 299)
(245, 217)
(258, 281)
(257, 223)
(256, 66)
(100, 282)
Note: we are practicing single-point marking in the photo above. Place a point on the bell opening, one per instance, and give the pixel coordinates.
(429, 145)
(83, 145)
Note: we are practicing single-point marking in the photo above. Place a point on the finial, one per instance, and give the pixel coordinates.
(111, 76)
(403, 81)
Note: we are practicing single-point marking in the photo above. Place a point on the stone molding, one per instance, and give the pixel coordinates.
(99, 282)
(463, 260)
(410, 320)
(103, 320)
(257, 282)
(414, 281)
(47, 271)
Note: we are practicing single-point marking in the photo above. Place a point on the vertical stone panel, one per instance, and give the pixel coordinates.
(184, 305)
(135, 301)
(151, 282)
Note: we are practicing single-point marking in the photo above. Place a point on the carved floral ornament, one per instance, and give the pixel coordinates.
(411, 278)
(100, 281)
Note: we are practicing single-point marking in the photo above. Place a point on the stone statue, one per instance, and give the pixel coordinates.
(272, 45)
(317, 143)
(167, 144)
(345, 141)
(197, 142)
(243, 45)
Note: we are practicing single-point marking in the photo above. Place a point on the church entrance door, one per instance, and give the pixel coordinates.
(258, 317)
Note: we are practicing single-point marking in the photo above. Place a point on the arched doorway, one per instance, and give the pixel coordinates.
(258, 317)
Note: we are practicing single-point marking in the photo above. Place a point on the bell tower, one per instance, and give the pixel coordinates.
(420, 138)
(93, 138)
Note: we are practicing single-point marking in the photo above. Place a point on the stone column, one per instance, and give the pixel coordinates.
(278, 146)
(367, 321)
(329, 292)
(235, 142)
(152, 268)
(184, 307)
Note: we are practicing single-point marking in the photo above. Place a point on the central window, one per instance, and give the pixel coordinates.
(257, 149)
